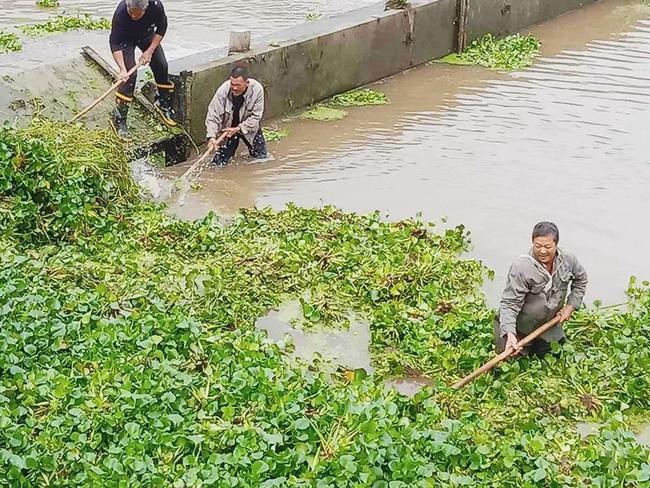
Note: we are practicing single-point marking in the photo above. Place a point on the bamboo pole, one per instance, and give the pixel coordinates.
(110, 90)
(202, 158)
(505, 354)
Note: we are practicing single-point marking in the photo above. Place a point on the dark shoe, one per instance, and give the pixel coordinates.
(163, 104)
(118, 119)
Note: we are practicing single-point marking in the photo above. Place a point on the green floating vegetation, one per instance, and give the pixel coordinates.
(274, 135)
(359, 98)
(508, 53)
(47, 3)
(329, 109)
(64, 23)
(9, 42)
(129, 354)
(322, 112)
(56, 183)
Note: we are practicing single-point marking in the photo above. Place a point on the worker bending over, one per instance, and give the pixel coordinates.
(141, 24)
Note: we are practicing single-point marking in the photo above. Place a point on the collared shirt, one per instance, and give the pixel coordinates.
(220, 111)
(126, 31)
(533, 296)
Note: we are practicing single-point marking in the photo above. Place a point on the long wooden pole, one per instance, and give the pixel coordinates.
(110, 90)
(202, 158)
(505, 354)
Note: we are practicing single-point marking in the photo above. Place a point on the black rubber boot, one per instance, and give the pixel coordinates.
(163, 104)
(118, 118)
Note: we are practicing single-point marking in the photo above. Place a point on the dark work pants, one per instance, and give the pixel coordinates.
(227, 151)
(158, 66)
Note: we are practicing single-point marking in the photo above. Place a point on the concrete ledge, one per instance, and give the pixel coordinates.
(319, 59)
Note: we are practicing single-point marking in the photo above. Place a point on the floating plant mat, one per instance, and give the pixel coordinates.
(274, 134)
(508, 53)
(64, 23)
(323, 113)
(129, 354)
(329, 109)
(9, 42)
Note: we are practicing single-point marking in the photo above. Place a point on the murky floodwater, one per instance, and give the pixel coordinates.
(349, 347)
(565, 141)
(194, 25)
(345, 347)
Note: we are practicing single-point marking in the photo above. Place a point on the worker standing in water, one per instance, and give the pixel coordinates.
(236, 110)
(541, 284)
(141, 24)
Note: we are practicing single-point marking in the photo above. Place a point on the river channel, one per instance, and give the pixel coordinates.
(566, 140)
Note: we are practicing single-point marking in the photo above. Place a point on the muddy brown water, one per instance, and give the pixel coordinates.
(566, 140)
(347, 347)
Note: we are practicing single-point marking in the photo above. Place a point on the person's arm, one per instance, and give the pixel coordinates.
(115, 43)
(213, 119)
(118, 56)
(251, 124)
(146, 55)
(578, 286)
(512, 301)
(578, 290)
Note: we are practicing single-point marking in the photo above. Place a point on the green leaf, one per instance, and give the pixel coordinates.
(259, 467)
(539, 474)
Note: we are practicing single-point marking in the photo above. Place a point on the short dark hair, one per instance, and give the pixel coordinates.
(546, 229)
(239, 72)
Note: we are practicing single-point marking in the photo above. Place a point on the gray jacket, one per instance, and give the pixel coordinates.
(220, 111)
(533, 296)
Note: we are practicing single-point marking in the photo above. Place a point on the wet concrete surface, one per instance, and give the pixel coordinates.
(564, 141)
(193, 25)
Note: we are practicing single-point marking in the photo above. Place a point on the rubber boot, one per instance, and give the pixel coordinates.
(163, 104)
(118, 118)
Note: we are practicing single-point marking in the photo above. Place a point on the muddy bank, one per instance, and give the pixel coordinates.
(564, 140)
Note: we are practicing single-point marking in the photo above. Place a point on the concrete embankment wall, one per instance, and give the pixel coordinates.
(308, 63)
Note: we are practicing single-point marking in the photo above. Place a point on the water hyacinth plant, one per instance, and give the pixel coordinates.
(64, 23)
(274, 134)
(47, 3)
(359, 98)
(331, 109)
(508, 53)
(129, 354)
(9, 42)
